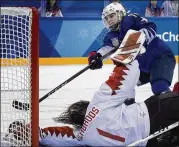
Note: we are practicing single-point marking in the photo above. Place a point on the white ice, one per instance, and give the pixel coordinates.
(81, 88)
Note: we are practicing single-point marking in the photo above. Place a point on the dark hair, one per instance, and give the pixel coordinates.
(74, 114)
(55, 6)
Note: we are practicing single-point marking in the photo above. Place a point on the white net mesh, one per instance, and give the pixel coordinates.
(15, 53)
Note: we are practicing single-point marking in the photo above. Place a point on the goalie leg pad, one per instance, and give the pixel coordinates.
(132, 45)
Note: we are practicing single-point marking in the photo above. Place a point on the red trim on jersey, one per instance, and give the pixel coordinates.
(116, 77)
(111, 136)
(59, 130)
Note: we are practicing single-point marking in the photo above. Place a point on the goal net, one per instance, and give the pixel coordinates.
(19, 75)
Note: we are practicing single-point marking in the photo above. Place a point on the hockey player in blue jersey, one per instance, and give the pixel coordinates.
(156, 64)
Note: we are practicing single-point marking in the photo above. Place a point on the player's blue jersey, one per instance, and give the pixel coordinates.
(154, 45)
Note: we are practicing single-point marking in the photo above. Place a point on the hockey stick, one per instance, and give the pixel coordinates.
(155, 134)
(25, 106)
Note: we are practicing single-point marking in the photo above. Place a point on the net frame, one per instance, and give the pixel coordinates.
(34, 66)
(35, 77)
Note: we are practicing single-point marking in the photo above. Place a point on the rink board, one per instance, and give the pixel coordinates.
(81, 60)
(53, 61)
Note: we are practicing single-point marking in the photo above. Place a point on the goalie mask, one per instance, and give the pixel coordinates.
(112, 16)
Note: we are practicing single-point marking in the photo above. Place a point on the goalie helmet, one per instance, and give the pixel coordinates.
(112, 15)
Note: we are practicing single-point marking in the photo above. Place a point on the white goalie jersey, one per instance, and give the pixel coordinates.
(108, 121)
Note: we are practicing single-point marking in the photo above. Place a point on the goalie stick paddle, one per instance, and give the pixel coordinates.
(172, 126)
(25, 106)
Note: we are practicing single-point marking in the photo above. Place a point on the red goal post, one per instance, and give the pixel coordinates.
(19, 60)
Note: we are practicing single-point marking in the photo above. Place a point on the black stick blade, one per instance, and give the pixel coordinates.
(20, 106)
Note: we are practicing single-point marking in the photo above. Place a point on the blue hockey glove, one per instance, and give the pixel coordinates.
(94, 60)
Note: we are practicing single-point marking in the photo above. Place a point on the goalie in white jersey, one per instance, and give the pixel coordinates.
(109, 121)
(112, 118)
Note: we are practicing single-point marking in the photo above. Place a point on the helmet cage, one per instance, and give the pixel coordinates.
(116, 21)
(117, 9)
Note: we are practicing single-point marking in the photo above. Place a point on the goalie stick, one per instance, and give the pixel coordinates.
(172, 126)
(25, 106)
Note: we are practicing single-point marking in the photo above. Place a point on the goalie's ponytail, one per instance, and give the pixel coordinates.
(74, 115)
